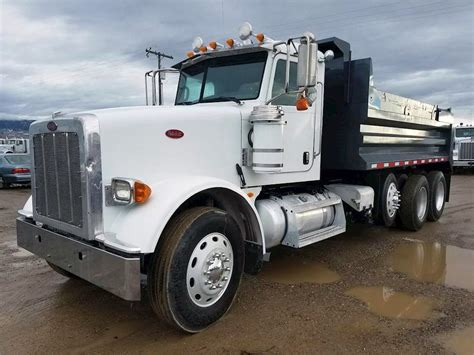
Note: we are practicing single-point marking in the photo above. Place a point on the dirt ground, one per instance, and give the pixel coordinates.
(371, 290)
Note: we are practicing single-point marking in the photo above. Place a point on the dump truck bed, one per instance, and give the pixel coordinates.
(365, 128)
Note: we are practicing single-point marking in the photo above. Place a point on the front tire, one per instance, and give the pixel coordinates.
(415, 201)
(196, 271)
(61, 271)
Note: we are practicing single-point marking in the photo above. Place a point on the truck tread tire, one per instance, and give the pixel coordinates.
(437, 188)
(401, 180)
(167, 278)
(61, 271)
(383, 216)
(415, 194)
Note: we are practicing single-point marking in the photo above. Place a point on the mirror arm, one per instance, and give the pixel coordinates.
(308, 57)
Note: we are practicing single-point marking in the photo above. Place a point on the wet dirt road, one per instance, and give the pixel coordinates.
(370, 290)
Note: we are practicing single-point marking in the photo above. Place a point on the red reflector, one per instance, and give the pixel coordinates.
(20, 171)
(174, 133)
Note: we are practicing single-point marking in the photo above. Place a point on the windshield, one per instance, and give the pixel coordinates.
(229, 78)
(17, 159)
(465, 132)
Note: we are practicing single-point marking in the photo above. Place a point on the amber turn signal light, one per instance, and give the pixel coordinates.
(302, 104)
(230, 42)
(141, 192)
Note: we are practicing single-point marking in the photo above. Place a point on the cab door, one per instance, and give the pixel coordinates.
(299, 130)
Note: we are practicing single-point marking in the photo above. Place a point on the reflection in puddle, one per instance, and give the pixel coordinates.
(460, 342)
(296, 270)
(388, 303)
(433, 262)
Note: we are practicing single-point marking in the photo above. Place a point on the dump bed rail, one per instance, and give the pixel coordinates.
(365, 128)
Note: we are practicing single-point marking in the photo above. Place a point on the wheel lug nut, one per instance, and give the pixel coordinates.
(227, 269)
(225, 278)
(213, 287)
(219, 286)
(207, 282)
(226, 259)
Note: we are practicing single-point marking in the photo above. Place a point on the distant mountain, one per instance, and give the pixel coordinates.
(14, 127)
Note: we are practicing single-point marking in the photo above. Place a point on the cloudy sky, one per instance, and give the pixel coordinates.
(71, 55)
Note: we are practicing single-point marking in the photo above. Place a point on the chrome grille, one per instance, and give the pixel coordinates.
(466, 151)
(57, 170)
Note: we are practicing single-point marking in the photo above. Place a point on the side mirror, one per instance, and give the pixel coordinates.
(307, 59)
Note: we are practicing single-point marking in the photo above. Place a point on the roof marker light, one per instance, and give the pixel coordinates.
(203, 49)
(190, 54)
(260, 37)
(230, 42)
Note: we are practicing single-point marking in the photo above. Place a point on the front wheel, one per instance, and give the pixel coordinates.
(61, 271)
(195, 273)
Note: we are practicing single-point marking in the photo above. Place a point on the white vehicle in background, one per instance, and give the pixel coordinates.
(463, 153)
(15, 145)
(269, 143)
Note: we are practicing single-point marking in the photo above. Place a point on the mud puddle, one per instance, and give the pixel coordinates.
(296, 270)
(460, 341)
(433, 262)
(387, 302)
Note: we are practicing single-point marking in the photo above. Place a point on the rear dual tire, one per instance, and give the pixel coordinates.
(387, 200)
(438, 188)
(414, 202)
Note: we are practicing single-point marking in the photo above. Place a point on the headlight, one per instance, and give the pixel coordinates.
(123, 191)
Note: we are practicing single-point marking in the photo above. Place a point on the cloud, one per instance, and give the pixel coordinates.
(77, 55)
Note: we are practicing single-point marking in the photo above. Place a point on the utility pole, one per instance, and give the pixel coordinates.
(159, 55)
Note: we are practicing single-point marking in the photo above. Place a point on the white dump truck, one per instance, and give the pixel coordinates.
(463, 153)
(268, 143)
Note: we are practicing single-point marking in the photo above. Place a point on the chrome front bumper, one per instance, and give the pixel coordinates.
(114, 273)
(465, 163)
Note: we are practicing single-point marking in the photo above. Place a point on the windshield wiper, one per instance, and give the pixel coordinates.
(222, 98)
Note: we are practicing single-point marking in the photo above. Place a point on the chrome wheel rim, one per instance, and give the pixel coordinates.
(439, 197)
(209, 269)
(421, 203)
(393, 200)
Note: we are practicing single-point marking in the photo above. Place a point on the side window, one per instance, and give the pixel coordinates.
(279, 84)
(189, 87)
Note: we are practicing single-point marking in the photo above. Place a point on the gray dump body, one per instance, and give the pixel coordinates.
(366, 129)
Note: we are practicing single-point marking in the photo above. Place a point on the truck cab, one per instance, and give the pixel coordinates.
(231, 170)
(463, 153)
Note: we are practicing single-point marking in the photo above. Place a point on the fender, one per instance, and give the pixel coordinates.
(141, 226)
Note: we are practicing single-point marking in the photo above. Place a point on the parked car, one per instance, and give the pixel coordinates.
(14, 169)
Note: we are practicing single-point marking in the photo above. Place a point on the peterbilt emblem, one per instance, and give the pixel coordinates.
(52, 126)
(174, 133)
